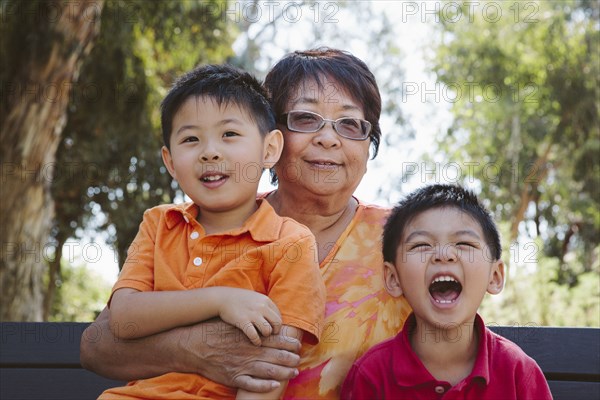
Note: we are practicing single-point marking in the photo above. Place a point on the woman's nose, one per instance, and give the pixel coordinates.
(327, 136)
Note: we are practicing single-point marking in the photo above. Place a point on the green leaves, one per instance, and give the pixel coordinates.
(533, 112)
(113, 130)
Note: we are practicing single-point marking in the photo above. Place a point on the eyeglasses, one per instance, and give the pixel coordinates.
(310, 122)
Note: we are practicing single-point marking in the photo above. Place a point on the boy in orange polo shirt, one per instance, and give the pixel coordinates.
(225, 254)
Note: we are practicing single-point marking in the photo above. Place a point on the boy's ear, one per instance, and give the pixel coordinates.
(168, 161)
(272, 147)
(496, 283)
(391, 280)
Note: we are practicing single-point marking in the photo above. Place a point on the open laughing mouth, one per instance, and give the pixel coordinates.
(445, 289)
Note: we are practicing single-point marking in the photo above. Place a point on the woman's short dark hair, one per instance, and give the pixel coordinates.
(284, 79)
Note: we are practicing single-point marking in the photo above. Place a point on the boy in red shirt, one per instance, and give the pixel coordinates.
(224, 254)
(442, 251)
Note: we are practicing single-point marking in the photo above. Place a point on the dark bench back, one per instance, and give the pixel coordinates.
(569, 357)
(41, 361)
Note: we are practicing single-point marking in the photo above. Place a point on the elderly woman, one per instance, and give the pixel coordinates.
(328, 105)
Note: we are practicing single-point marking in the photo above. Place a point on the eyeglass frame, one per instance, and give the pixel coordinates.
(286, 118)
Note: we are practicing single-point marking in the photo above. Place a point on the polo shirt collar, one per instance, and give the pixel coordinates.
(484, 358)
(263, 225)
(408, 369)
(176, 213)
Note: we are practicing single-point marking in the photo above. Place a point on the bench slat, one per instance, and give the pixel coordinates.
(562, 353)
(40, 343)
(50, 384)
(77, 384)
(575, 390)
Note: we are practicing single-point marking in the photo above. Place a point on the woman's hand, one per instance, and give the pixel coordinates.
(224, 354)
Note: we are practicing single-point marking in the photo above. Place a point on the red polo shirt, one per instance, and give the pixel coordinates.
(392, 370)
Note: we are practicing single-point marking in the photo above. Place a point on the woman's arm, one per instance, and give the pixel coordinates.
(136, 314)
(277, 392)
(213, 349)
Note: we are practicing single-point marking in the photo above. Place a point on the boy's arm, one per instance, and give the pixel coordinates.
(137, 314)
(277, 393)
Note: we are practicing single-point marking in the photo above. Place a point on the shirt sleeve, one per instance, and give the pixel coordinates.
(138, 268)
(296, 286)
(357, 386)
(533, 384)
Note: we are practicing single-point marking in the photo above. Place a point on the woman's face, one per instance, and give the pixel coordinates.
(323, 162)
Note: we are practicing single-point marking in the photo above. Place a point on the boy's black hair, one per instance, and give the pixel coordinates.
(224, 84)
(351, 73)
(438, 196)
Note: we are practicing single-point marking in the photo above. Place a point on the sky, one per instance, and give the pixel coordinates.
(413, 28)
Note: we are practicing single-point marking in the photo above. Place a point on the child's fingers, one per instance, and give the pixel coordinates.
(274, 320)
(263, 326)
(276, 328)
(250, 331)
(273, 308)
(269, 322)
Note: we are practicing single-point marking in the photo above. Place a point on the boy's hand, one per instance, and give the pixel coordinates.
(254, 313)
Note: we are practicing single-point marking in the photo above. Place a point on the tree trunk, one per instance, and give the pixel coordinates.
(37, 91)
(535, 176)
(54, 276)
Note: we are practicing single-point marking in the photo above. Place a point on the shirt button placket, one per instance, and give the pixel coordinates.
(198, 260)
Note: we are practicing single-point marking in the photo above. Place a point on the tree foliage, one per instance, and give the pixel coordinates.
(526, 128)
(42, 45)
(523, 84)
(108, 168)
(81, 297)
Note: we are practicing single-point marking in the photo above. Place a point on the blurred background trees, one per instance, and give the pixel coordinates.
(525, 106)
(43, 45)
(521, 90)
(109, 168)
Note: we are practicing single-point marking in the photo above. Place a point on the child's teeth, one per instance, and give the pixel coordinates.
(444, 279)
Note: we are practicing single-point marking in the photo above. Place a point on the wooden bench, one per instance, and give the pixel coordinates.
(41, 361)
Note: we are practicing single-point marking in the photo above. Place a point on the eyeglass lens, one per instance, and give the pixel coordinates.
(351, 128)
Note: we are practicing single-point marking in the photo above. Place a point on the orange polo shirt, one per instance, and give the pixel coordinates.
(269, 254)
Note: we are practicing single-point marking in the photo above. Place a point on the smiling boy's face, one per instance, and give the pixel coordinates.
(444, 268)
(217, 154)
